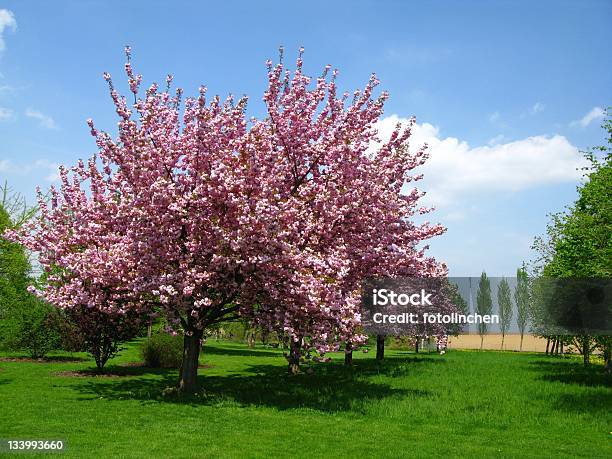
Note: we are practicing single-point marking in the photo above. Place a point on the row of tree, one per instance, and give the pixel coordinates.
(506, 299)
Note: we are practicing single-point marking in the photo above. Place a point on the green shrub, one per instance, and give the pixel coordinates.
(163, 350)
(28, 325)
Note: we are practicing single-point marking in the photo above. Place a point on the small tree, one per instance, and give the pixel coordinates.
(504, 300)
(103, 332)
(484, 304)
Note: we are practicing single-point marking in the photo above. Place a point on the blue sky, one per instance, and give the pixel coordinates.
(506, 92)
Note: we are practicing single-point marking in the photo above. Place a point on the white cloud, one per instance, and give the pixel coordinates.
(7, 88)
(7, 21)
(6, 114)
(497, 139)
(537, 108)
(45, 120)
(50, 168)
(534, 110)
(494, 117)
(596, 113)
(455, 168)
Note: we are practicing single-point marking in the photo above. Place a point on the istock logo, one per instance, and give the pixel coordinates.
(425, 306)
(384, 297)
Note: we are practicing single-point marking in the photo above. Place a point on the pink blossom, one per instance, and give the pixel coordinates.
(197, 212)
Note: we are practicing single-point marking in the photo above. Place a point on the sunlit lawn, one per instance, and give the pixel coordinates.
(462, 404)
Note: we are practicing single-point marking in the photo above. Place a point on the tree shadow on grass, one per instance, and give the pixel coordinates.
(48, 359)
(331, 388)
(571, 372)
(395, 366)
(588, 387)
(114, 371)
(3, 380)
(589, 402)
(211, 349)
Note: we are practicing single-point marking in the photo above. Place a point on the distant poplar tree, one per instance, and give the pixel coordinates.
(521, 297)
(484, 303)
(504, 300)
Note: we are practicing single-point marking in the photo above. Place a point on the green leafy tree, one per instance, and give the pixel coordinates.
(484, 304)
(579, 241)
(26, 323)
(504, 300)
(14, 264)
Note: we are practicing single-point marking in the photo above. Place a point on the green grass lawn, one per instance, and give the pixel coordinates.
(462, 404)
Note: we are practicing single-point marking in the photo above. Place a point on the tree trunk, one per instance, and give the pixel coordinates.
(481, 341)
(100, 362)
(348, 354)
(416, 344)
(251, 339)
(553, 343)
(554, 346)
(295, 348)
(503, 338)
(607, 353)
(547, 344)
(380, 347)
(521, 345)
(585, 349)
(101, 349)
(188, 374)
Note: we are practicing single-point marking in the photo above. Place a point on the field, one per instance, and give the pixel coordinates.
(493, 341)
(461, 404)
